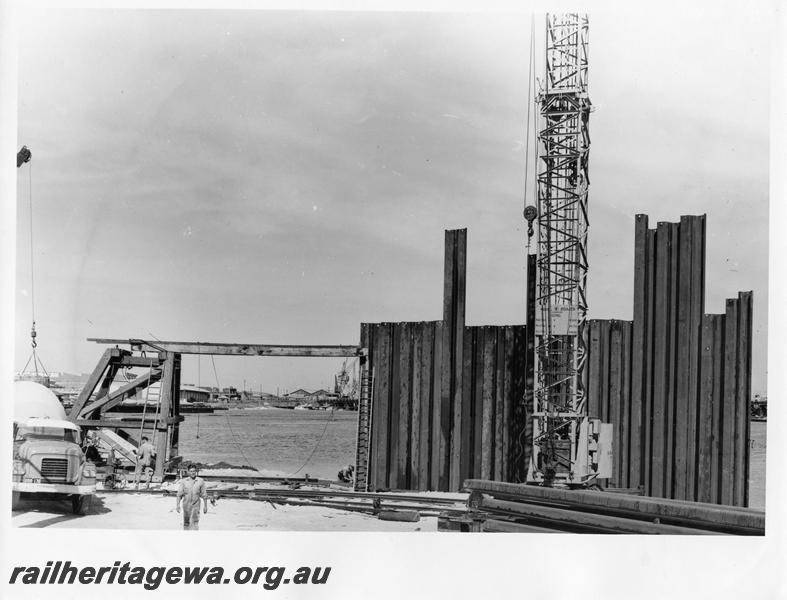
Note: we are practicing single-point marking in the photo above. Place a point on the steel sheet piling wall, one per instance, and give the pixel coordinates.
(743, 400)
(426, 393)
(609, 391)
(491, 437)
(453, 330)
(449, 400)
(675, 383)
(452, 402)
(696, 311)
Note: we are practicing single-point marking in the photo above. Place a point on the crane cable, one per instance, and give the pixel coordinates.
(32, 270)
(521, 447)
(199, 379)
(33, 356)
(322, 435)
(240, 447)
(229, 425)
(530, 102)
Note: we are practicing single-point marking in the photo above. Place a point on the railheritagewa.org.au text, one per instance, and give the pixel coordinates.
(150, 578)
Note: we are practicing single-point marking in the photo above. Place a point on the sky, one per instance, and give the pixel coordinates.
(280, 177)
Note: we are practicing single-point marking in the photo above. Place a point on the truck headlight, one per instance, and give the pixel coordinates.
(19, 470)
(89, 470)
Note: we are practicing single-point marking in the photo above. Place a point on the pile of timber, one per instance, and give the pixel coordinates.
(496, 506)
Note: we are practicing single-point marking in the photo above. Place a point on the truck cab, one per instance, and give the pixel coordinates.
(47, 456)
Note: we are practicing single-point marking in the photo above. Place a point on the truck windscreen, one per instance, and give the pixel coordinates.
(47, 433)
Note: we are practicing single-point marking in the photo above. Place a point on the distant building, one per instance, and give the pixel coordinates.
(231, 393)
(191, 393)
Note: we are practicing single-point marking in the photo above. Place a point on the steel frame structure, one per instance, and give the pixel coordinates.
(561, 305)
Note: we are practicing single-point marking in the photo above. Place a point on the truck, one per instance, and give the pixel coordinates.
(48, 461)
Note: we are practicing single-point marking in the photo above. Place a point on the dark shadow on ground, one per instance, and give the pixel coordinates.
(31, 504)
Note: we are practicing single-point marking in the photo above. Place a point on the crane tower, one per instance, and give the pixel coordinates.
(568, 447)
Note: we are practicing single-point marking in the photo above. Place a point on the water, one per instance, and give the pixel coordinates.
(275, 440)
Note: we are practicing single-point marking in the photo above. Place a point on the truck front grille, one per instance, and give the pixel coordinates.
(54, 469)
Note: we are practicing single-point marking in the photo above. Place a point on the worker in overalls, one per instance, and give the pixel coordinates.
(191, 489)
(146, 455)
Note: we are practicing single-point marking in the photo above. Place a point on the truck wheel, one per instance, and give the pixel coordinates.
(81, 504)
(15, 497)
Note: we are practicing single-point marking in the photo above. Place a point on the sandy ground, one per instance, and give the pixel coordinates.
(157, 512)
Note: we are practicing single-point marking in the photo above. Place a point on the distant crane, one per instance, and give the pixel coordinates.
(569, 449)
(345, 388)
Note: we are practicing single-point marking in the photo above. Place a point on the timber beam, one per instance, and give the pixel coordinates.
(114, 398)
(220, 349)
(110, 355)
(143, 361)
(131, 422)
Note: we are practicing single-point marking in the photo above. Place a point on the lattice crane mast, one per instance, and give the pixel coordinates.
(569, 448)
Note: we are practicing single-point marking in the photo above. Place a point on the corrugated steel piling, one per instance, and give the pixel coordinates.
(453, 401)
(686, 432)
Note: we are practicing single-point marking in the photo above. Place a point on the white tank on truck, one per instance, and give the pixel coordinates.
(48, 458)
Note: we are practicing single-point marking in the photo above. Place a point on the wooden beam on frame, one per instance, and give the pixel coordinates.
(161, 435)
(221, 349)
(126, 422)
(129, 389)
(95, 378)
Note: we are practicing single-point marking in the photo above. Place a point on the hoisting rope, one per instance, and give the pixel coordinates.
(32, 255)
(227, 416)
(327, 422)
(322, 435)
(240, 447)
(145, 406)
(521, 447)
(138, 473)
(158, 405)
(199, 380)
(33, 356)
(530, 102)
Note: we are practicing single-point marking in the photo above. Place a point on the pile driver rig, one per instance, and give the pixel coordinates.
(569, 448)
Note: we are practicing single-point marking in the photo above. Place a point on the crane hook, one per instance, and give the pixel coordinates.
(24, 155)
(530, 214)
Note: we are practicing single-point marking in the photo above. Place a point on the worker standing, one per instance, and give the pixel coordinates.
(145, 455)
(191, 489)
(91, 452)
